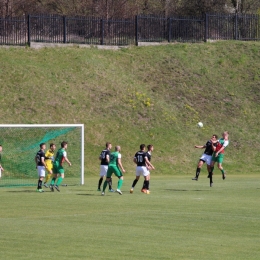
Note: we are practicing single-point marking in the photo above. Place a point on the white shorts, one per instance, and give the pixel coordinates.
(103, 170)
(141, 170)
(41, 171)
(206, 158)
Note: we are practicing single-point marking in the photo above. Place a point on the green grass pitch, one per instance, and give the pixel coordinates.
(180, 219)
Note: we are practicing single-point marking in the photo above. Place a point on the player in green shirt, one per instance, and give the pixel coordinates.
(115, 166)
(58, 169)
(218, 155)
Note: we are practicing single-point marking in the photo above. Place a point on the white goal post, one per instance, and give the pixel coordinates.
(20, 143)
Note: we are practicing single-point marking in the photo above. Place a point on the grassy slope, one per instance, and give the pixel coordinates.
(145, 94)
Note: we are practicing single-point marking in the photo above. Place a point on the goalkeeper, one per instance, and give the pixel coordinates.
(49, 159)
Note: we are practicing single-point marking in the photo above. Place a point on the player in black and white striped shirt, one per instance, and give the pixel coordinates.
(40, 166)
(104, 158)
(142, 163)
(149, 156)
(206, 156)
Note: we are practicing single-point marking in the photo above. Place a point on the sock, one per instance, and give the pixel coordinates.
(147, 185)
(60, 179)
(134, 183)
(210, 177)
(211, 171)
(197, 172)
(143, 185)
(100, 182)
(39, 185)
(110, 184)
(104, 185)
(47, 177)
(223, 172)
(119, 184)
(53, 181)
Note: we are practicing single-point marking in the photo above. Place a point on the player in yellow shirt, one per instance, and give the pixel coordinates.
(49, 158)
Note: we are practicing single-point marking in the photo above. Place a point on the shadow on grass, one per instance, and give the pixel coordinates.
(86, 190)
(183, 190)
(28, 191)
(66, 185)
(87, 194)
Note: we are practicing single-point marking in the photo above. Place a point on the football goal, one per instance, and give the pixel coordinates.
(20, 143)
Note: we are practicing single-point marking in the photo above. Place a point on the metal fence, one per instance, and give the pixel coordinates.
(179, 29)
(229, 27)
(99, 31)
(13, 31)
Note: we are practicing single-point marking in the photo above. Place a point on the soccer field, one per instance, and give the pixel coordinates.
(180, 219)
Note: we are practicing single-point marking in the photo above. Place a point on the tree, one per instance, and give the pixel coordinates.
(246, 6)
(6, 7)
(125, 8)
(200, 7)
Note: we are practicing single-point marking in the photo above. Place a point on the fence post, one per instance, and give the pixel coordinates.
(136, 30)
(28, 30)
(206, 27)
(64, 30)
(102, 31)
(236, 16)
(169, 29)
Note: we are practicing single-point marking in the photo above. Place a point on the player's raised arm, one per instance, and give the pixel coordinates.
(200, 146)
(225, 144)
(213, 147)
(222, 148)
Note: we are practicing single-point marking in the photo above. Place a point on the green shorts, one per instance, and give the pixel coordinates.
(58, 169)
(218, 159)
(113, 169)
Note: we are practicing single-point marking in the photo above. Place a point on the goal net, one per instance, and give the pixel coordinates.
(20, 143)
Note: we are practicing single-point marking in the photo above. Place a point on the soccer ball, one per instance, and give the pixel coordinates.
(200, 124)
